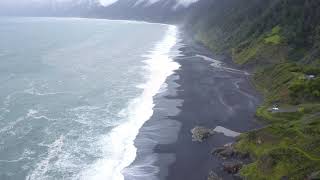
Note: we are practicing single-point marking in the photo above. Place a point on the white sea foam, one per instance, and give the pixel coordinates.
(25, 155)
(31, 112)
(119, 149)
(54, 150)
(33, 91)
(35, 114)
(11, 125)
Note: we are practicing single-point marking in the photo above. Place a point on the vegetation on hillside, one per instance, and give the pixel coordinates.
(244, 26)
(280, 41)
(289, 146)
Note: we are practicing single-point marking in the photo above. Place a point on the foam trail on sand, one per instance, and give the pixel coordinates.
(119, 143)
(219, 64)
(226, 132)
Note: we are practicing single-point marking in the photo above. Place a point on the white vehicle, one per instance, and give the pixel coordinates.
(275, 108)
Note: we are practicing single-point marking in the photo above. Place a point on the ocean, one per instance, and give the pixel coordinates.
(75, 92)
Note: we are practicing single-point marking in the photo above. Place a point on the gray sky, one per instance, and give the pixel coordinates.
(103, 2)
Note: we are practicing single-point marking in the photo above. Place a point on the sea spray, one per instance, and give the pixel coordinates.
(159, 65)
(70, 102)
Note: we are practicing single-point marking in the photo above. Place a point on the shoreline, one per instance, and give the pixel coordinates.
(198, 94)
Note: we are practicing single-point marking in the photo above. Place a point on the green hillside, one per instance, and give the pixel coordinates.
(290, 29)
(280, 41)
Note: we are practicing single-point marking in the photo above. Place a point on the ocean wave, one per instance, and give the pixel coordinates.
(118, 145)
(42, 167)
(11, 125)
(35, 114)
(25, 155)
(35, 92)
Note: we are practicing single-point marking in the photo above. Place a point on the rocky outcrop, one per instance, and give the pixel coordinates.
(232, 167)
(228, 151)
(224, 152)
(234, 160)
(201, 133)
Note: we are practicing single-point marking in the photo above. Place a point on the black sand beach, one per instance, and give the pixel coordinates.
(200, 93)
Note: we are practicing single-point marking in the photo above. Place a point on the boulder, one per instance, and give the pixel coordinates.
(201, 133)
(224, 152)
(232, 167)
(218, 150)
(228, 151)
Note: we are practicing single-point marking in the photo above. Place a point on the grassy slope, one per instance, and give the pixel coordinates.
(279, 38)
(290, 145)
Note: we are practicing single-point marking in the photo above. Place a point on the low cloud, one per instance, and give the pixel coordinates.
(107, 2)
(13, 3)
(184, 3)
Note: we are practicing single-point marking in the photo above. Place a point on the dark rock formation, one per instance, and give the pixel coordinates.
(228, 151)
(224, 152)
(232, 167)
(201, 133)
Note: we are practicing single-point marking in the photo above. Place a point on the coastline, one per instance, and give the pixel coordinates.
(203, 92)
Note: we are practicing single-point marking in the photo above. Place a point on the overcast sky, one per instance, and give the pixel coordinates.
(103, 2)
